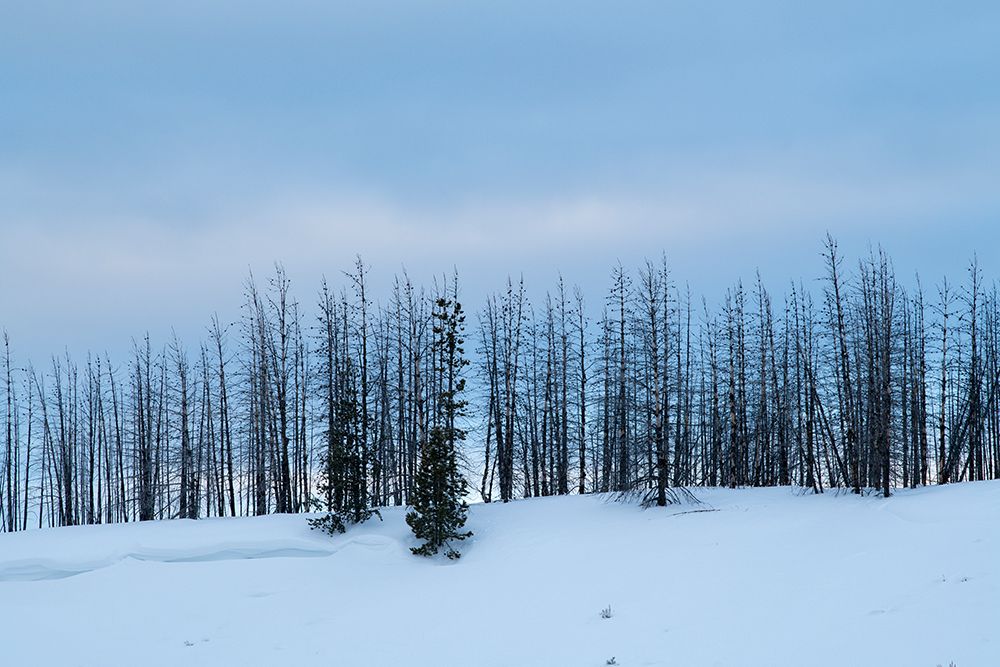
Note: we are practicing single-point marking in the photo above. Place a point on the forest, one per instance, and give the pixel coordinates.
(857, 381)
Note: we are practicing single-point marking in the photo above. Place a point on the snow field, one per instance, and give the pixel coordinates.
(767, 577)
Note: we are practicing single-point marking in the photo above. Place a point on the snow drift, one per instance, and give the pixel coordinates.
(765, 577)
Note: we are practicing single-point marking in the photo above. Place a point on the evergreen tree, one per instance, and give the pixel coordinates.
(344, 476)
(439, 508)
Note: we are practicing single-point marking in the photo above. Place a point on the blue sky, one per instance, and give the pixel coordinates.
(149, 154)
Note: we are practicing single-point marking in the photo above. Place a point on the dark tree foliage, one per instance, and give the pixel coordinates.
(439, 507)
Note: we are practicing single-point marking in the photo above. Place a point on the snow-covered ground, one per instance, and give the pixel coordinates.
(769, 577)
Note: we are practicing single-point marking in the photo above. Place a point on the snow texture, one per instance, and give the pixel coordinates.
(764, 577)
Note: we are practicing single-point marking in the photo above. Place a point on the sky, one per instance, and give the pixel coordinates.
(151, 155)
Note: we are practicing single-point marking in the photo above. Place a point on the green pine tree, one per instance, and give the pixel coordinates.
(439, 507)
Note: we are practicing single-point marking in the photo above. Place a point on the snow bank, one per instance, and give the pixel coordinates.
(767, 577)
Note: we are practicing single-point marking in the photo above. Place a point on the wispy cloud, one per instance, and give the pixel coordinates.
(82, 269)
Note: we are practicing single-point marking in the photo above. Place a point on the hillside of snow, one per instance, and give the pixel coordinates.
(747, 577)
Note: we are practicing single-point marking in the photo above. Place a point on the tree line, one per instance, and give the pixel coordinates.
(340, 404)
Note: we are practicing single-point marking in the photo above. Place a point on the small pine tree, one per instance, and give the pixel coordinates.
(439, 507)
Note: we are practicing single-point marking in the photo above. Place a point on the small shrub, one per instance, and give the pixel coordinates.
(330, 524)
(335, 523)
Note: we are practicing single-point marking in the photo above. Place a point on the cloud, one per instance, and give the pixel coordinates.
(93, 270)
(315, 230)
